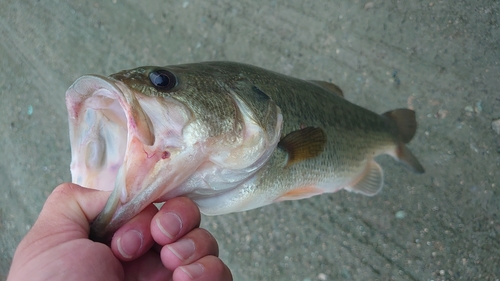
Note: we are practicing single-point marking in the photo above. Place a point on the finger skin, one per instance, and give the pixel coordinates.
(175, 219)
(62, 229)
(212, 268)
(200, 241)
(134, 238)
(65, 216)
(147, 267)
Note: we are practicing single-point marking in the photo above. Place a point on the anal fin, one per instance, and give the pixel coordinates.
(370, 182)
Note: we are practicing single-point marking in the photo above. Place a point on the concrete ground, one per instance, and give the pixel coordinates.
(439, 57)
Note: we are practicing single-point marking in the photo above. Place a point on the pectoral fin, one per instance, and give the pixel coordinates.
(303, 144)
(370, 182)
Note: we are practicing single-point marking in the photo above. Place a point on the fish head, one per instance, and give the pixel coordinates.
(122, 138)
(142, 132)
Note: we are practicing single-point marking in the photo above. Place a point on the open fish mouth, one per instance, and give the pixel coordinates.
(102, 120)
(113, 146)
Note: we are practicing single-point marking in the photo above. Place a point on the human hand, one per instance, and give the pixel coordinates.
(155, 245)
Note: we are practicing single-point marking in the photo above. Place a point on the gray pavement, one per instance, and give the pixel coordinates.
(439, 57)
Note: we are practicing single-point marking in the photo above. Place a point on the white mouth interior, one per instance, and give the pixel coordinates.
(99, 140)
(108, 125)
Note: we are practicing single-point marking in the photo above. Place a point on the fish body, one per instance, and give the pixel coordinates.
(230, 136)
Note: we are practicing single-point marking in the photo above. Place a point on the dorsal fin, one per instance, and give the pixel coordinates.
(329, 86)
(303, 144)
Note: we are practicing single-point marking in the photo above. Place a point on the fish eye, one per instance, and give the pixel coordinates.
(162, 79)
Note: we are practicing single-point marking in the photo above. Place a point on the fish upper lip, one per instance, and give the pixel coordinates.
(83, 88)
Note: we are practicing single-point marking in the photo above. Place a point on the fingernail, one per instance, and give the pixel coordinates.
(183, 249)
(169, 224)
(194, 270)
(130, 243)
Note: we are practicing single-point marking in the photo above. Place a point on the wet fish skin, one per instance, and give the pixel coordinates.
(238, 137)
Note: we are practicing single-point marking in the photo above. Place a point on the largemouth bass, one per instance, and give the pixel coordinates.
(230, 136)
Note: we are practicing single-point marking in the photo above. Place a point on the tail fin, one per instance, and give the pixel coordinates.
(404, 155)
(405, 126)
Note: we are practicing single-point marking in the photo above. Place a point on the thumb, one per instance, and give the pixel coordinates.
(66, 215)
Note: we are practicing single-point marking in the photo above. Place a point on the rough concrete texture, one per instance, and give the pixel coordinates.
(439, 57)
